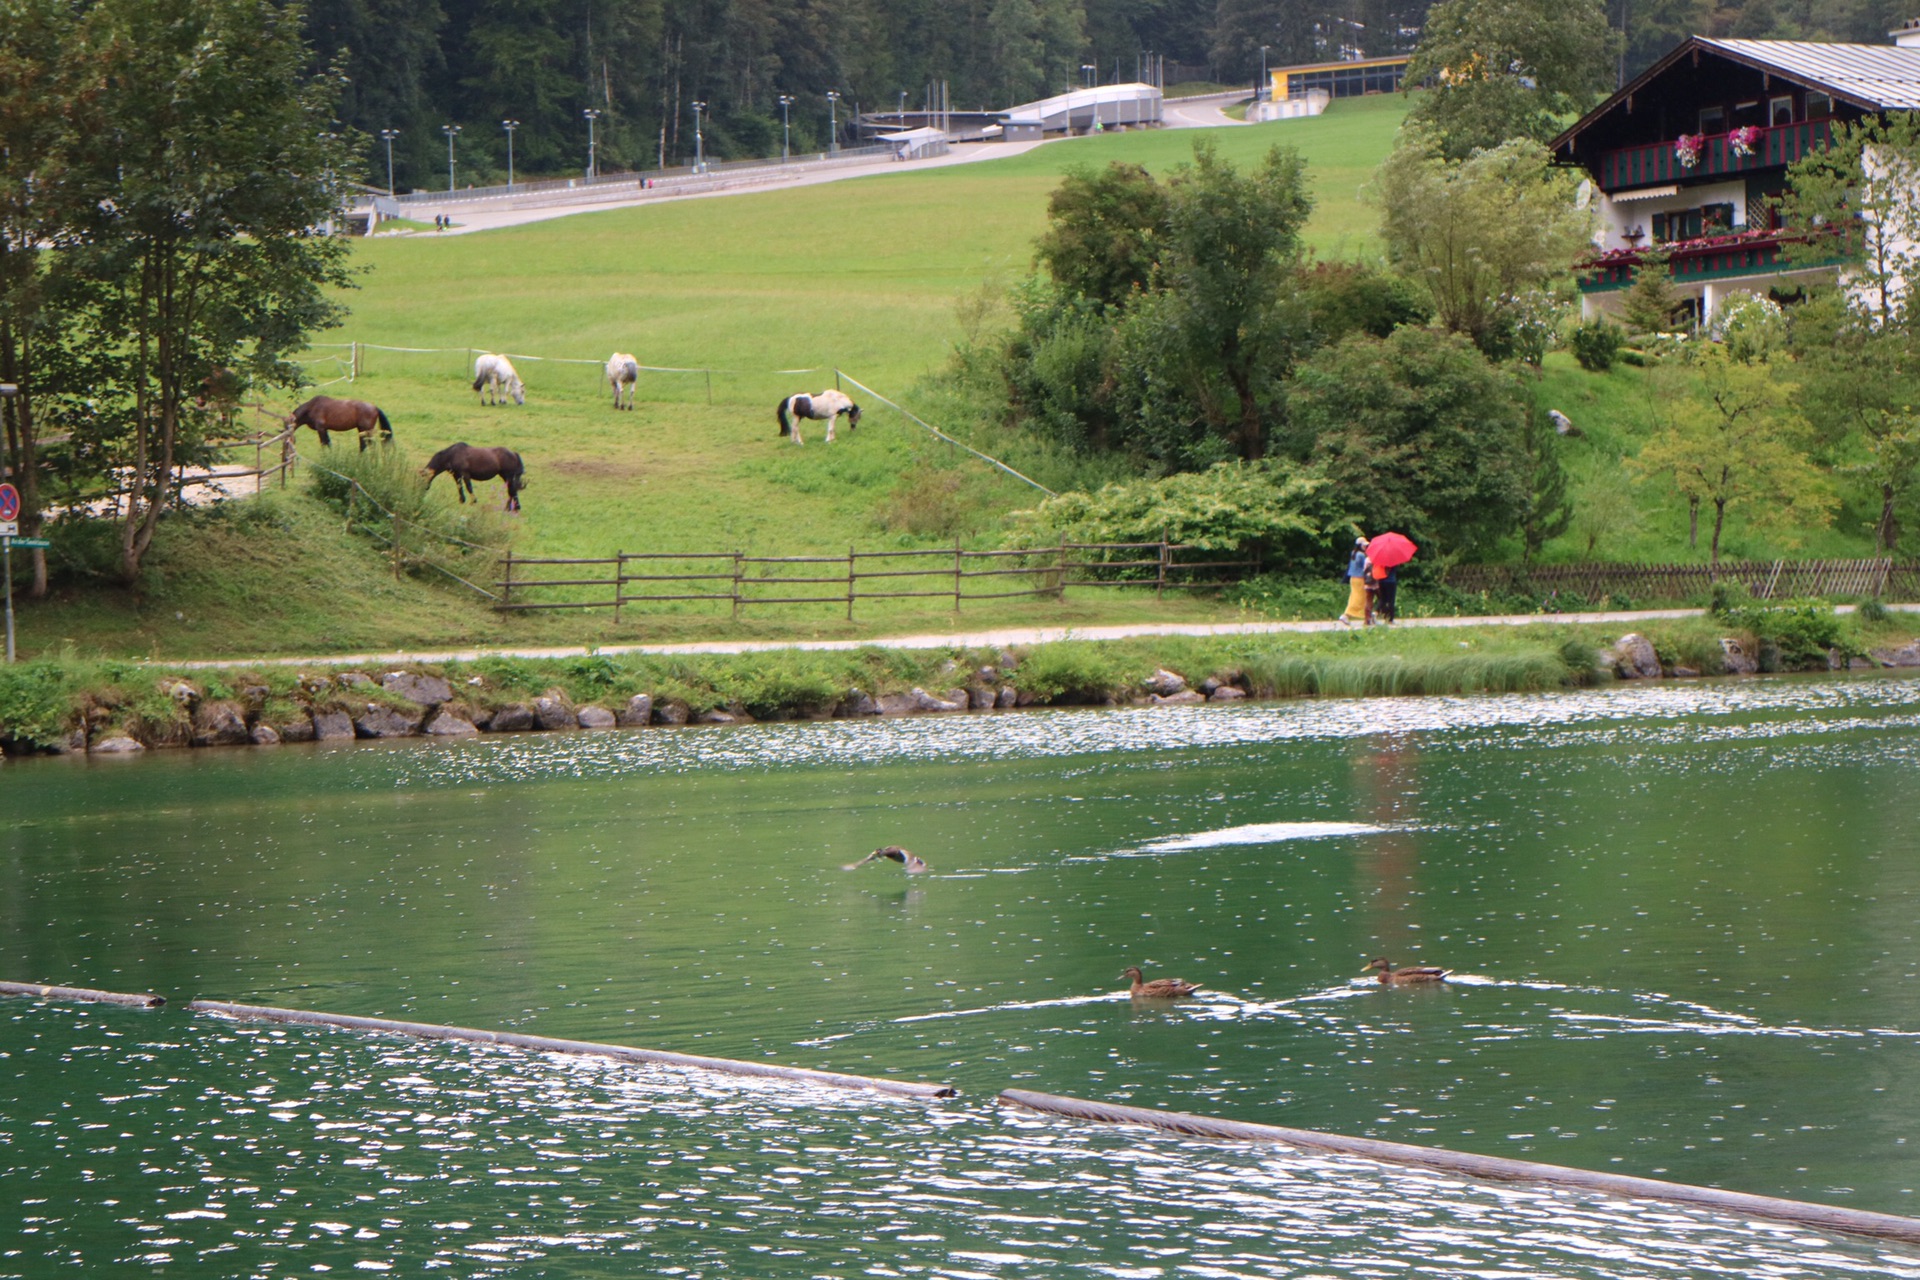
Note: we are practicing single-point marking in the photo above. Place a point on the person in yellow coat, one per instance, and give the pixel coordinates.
(1359, 598)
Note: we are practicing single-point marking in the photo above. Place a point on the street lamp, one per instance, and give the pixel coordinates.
(387, 136)
(699, 148)
(833, 123)
(902, 113)
(1089, 68)
(452, 131)
(593, 161)
(786, 126)
(509, 126)
(1263, 71)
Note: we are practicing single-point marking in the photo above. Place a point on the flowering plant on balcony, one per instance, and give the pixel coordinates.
(1687, 148)
(1743, 140)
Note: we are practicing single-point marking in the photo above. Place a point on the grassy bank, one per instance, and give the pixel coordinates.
(66, 702)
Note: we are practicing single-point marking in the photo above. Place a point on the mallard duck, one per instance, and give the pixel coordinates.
(1159, 988)
(911, 862)
(1413, 973)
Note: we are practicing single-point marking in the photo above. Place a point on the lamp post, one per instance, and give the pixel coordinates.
(1263, 71)
(902, 113)
(1088, 68)
(699, 147)
(387, 136)
(833, 122)
(593, 161)
(452, 131)
(786, 126)
(509, 126)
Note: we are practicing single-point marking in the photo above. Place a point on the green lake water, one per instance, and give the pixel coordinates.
(1681, 917)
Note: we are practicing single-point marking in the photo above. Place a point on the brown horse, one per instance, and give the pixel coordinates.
(466, 463)
(324, 414)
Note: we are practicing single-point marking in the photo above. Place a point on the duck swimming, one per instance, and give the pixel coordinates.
(1413, 973)
(912, 862)
(1159, 988)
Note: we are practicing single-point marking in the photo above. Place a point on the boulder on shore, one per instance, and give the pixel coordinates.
(596, 718)
(219, 724)
(1634, 658)
(638, 711)
(1165, 684)
(115, 744)
(332, 726)
(1735, 660)
(381, 720)
(551, 711)
(428, 691)
(446, 724)
(515, 717)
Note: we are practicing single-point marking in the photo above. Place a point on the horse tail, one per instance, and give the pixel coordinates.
(386, 428)
(786, 428)
(479, 381)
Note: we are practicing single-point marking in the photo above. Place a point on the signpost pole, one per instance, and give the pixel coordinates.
(6, 571)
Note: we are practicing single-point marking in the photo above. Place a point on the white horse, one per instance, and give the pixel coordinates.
(821, 406)
(496, 375)
(623, 372)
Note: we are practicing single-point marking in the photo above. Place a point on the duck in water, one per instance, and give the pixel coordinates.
(912, 862)
(1159, 988)
(1413, 973)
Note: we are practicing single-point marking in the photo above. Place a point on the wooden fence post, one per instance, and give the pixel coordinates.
(850, 578)
(736, 586)
(956, 575)
(506, 584)
(1060, 572)
(1160, 587)
(353, 362)
(619, 582)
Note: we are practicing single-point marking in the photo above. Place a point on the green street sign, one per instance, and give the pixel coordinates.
(38, 544)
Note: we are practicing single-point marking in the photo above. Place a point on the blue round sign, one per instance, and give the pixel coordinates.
(9, 503)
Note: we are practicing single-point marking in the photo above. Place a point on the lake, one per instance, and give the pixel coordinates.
(1681, 918)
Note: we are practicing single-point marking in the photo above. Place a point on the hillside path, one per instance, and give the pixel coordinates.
(933, 640)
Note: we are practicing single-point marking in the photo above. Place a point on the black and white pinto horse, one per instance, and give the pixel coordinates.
(623, 373)
(496, 375)
(821, 406)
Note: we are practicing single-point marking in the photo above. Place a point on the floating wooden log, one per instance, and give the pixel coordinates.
(545, 1044)
(87, 994)
(1884, 1226)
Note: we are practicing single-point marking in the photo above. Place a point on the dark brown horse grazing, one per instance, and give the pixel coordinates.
(465, 464)
(324, 414)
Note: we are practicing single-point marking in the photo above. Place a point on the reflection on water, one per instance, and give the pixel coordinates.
(1679, 917)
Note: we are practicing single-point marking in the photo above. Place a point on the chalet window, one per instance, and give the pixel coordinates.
(1819, 105)
(1780, 110)
(1716, 219)
(1745, 113)
(1713, 120)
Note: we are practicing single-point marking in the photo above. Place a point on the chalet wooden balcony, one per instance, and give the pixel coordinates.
(1723, 257)
(1654, 163)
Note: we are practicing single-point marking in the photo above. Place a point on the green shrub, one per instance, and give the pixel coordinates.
(1070, 672)
(382, 495)
(1596, 344)
(1872, 611)
(1797, 635)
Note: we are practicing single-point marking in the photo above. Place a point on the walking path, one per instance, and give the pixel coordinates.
(948, 640)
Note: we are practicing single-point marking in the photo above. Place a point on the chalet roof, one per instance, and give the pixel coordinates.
(1878, 77)
(1872, 77)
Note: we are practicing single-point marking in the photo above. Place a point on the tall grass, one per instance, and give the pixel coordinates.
(1294, 675)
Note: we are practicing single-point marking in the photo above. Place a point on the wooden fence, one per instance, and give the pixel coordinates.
(1765, 579)
(740, 581)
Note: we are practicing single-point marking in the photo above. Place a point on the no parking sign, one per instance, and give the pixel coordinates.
(9, 503)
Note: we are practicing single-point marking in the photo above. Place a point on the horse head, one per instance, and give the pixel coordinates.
(518, 390)
(853, 416)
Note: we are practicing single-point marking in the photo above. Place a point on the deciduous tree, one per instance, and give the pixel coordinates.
(208, 196)
(1509, 69)
(1477, 233)
(1735, 442)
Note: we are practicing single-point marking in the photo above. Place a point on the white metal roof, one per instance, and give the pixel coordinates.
(1886, 76)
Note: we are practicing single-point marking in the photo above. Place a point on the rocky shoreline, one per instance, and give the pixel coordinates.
(403, 703)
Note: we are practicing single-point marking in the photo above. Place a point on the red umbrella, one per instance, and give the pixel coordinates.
(1390, 550)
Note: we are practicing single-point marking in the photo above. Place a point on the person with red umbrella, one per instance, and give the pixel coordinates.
(1386, 552)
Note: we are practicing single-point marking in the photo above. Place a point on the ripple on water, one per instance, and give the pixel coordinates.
(314, 1150)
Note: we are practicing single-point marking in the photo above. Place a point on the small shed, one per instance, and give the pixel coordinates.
(916, 144)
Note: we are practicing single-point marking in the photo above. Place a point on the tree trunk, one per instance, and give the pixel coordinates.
(1693, 523)
(1719, 519)
(1886, 531)
(1253, 443)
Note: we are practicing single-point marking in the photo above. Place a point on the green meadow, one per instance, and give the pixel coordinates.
(866, 275)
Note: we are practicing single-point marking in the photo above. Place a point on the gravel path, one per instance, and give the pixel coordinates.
(935, 640)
